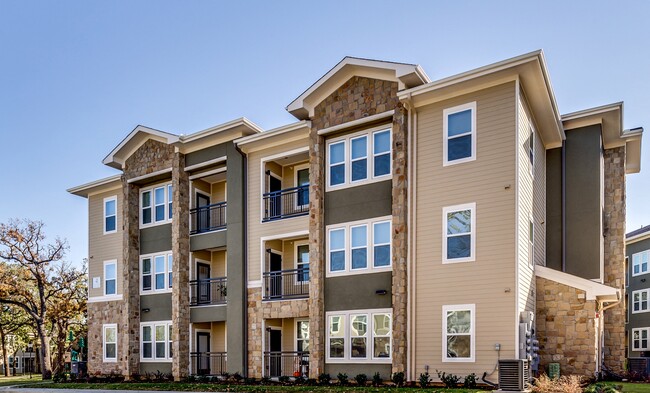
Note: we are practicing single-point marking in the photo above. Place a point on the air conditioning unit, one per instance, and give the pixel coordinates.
(639, 366)
(514, 375)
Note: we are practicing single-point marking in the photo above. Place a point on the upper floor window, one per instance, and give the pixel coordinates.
(640, 263)
(359, 158)
(458, 330)
(359, 336)
(110, 342)
(110, 277)
(640, 339)
(360, 246)
(156, 273)
(531, 241)
(459, 233)
(459, 134)
(156, 205)
(110, 215)
(531, 149)
(640, 301)
(302, 261)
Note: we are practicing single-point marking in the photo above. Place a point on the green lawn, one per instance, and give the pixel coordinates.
(634, 387)
(19, 380)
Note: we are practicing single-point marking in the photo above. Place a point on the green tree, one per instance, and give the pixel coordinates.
(13, 324)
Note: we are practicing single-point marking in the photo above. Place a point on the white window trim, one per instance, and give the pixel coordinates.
(369, 336)
(370, 268)
(455, 208)
(108, 199)
(104, 327)
(532, 149)
(154, 359)
(459, 307)
(445, 137)
(166, 220)
(647, 329)
(347, 158)
(640, 292)
(297, 244)
(641, 272)
(153, 289)
(106, 263)
(297, 168)
(531, 241)
(295, 333)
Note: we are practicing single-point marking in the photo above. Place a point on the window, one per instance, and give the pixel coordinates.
(302, 336)
(531, 241)
(459, 228)
(110, 215)
(640, 263)
(359, 247)
(156, 272)
(302, 262)
(156, 205)
(640, 339)
(156, 341)
(459, 133)
(640, 301)
(458, 333)
(531, 149)
(110, 342)
(360, 336)
(110, 277)
(359, 158)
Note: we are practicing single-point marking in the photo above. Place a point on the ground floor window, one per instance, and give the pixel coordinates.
(458, 333)
(640, 339)
(110, 342)
(359, 336)
(156, 341)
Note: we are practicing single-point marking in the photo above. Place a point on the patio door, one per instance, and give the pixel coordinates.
(302, 179)
(275, 202)
(275, 350)
(203, 282)
(202, 213)
(275, 267)
(203, 349)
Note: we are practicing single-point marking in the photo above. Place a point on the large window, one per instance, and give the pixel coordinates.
(459, 134)
(156, 205)
(640, 263)
(459, 233)
(359, 158)
(110, 215)
(110, 277)
(531, 149)
(360, 336)
(156, 341)
(110, 342)
(302, 336)
(458, 333)
(640, 339)
(156, 272)
(359, 247)
(640, 301)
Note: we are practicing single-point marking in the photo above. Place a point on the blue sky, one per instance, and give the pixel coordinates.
(77, 76)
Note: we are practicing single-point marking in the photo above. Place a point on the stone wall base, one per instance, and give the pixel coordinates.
(98, 315)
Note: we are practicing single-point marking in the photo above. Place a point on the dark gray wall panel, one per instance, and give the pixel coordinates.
(159, 305)
(636, 283)
(217, 239)
(554, 208)
(156, 239)
(357, 292)
(207, 154)
(359, 203)
(208, 314)
(153, 367)
(353, 369)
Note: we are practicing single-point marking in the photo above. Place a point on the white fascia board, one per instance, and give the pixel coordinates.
(85, 189)
(242, 121)
(592, 289)
(110, 158)
(638, 238)
(273, 132)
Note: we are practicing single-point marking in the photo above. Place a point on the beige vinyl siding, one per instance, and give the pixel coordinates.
(217, 332)
(216, 260)
(257, 229)
(489, 281)
(217, 191)
(103, 247)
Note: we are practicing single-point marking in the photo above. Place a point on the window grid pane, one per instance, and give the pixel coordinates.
(359, 247)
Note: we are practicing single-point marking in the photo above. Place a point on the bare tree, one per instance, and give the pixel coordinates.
(30, 279)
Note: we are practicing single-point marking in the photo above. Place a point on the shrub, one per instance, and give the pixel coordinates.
(450, 380)
(265, 380)
(398, 379)
(425, 380)
(361, 379)
(284, 379)
(324, 379)
(601, 387)
(343, 379)
(470, 381)
(376, 380)
(564, 384)
(299, 380)
(59, 377)
(312, 382)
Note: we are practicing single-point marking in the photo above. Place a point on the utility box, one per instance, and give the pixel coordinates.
(554, 370)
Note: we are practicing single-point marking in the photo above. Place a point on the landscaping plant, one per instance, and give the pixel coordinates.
(451, 381)
(361, 379)
(398, 379)
(376, 380)
(425, 380)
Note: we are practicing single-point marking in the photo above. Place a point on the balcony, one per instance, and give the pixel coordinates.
(208, 363)
(208, 218)
(286, 363)
(209, 291)
(290, 202)
(286, 284)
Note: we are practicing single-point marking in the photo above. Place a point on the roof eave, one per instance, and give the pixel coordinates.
(85, 189)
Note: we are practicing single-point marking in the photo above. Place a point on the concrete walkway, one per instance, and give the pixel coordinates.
(18, 389)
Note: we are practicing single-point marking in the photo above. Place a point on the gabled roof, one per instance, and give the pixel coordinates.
(593, 289)
(135, 139)
(407, 76)
(529, 69)
(610, 117)
(105, 184)
(638, 234)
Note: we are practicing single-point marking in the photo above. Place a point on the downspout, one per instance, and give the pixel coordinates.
(601, 313)
(245, 255)
(563, 170)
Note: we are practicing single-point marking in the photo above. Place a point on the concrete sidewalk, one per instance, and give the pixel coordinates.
(18, 389)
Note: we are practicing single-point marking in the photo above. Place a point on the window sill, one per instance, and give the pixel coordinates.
(154, 292)
(359, 361)
(372, 180)
(104, 298)
(360, 271)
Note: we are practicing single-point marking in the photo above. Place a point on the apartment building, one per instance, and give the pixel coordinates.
(637, 251)
(401, 224)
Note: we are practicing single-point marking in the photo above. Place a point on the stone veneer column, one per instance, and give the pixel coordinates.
(614, 258)
(400, 239)
(180, 270)
(129, 328)
(317, 323)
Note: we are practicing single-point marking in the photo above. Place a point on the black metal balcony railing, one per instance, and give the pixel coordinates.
(208, 218)
(208, 363)
(286, 284)
(290, 364)
(290, 202)
(208, 291)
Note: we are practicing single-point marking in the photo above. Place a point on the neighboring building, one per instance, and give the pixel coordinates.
(637, 251)
(401, 224)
